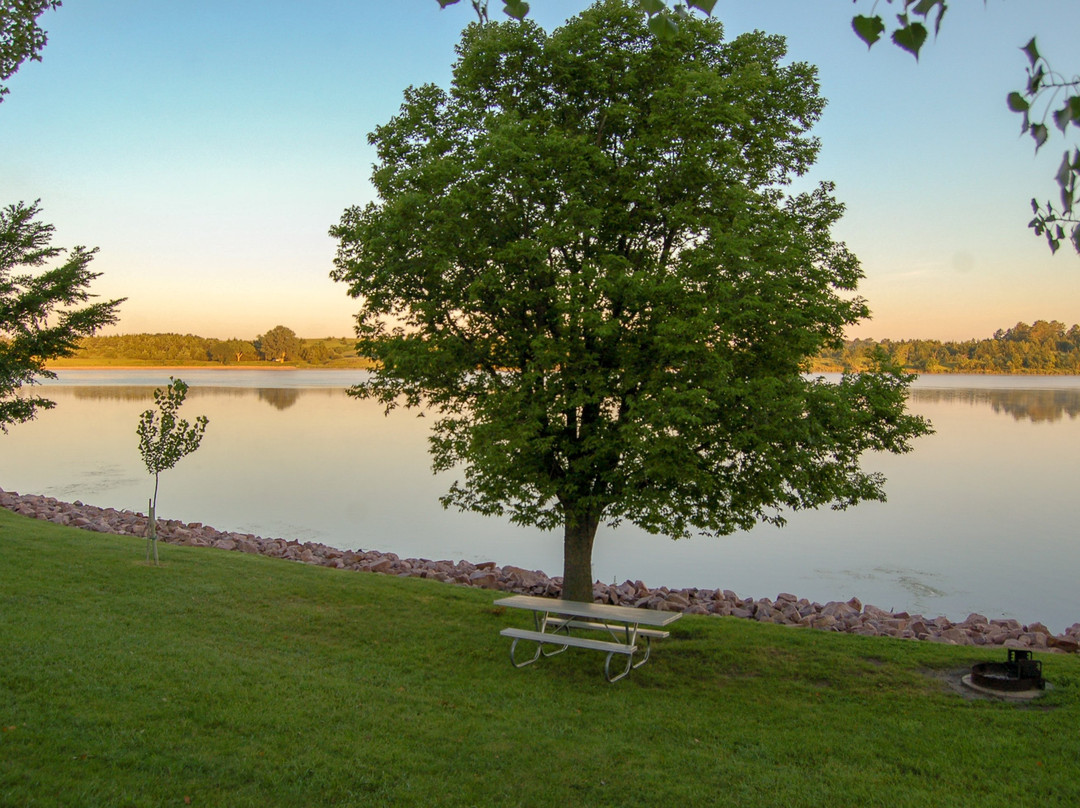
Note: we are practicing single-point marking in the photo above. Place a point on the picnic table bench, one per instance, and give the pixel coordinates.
(553, 620)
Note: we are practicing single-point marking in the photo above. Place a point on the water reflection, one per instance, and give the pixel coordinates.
(111, 393)
(280, 398)
(1037, 406)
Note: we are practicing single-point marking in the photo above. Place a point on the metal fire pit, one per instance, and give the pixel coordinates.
(1020, 675)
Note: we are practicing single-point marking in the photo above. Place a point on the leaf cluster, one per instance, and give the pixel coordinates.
(910, 30)
(41, 316)
(1049, 89)
(584, 261)
(163, 438)
(20, 36)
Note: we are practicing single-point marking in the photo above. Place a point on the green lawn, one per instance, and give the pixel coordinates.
(224, 679)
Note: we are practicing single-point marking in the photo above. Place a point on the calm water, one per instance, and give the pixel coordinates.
(981, 516)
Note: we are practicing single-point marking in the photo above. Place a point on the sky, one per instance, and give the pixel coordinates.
(207, 146)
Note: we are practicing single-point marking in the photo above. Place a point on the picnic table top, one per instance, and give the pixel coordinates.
(597, 611)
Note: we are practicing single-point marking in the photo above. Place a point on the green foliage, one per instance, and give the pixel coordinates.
(909, 33)
(1047, 87)
(189, 350)
(40, 314)
(20, 36)
(242, 681)
(164, 440)
(278, 344)
(584, 261)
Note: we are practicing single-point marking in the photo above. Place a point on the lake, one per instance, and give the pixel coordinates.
(982, 516)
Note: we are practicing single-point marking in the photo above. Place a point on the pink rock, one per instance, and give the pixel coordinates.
(484, 578)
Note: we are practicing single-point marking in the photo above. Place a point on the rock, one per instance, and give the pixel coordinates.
(957, 635)
(381, 565)
(874, 611)
(678, 600)
(1063, 643)
(484, 578)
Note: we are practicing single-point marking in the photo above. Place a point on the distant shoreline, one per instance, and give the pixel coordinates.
(185, 367)
(276, 367)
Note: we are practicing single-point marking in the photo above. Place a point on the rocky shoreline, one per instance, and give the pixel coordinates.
(851, 616)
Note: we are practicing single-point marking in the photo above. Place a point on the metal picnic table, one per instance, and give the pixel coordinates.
(555, 618)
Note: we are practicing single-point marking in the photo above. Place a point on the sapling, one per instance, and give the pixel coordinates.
(163, 440)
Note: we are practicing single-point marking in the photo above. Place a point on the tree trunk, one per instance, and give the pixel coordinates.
(579, 531)
(151, 527)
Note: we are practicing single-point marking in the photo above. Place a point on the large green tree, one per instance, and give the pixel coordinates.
(278, 344)
(584, 261)
(41, 312)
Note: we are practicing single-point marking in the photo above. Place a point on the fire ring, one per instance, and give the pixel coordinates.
(1019, 677)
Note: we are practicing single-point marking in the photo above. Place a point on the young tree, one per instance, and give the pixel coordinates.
(163, 440)
(584, 261)
(40, 314)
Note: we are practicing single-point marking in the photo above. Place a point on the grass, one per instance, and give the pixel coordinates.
(223, 679)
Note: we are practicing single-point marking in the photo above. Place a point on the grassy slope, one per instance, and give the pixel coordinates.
(237, 680)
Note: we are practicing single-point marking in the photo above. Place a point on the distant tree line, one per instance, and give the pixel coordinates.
(279, 345)
(1048, 347)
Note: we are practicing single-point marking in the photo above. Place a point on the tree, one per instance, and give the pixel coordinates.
(20, 36)
(241, 348)
(316, 352)
(218, 350)
(279, 343)
(40, 314)
(163, 441)
(910, 32)
(584, 263)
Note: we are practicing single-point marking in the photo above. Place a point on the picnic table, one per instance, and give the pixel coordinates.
(554, 619)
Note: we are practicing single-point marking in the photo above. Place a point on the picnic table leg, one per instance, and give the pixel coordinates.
(541, 626)
(648, 650)
(517, 664)
(617, 677)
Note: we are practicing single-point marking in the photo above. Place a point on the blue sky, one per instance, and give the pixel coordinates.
(207, 146)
